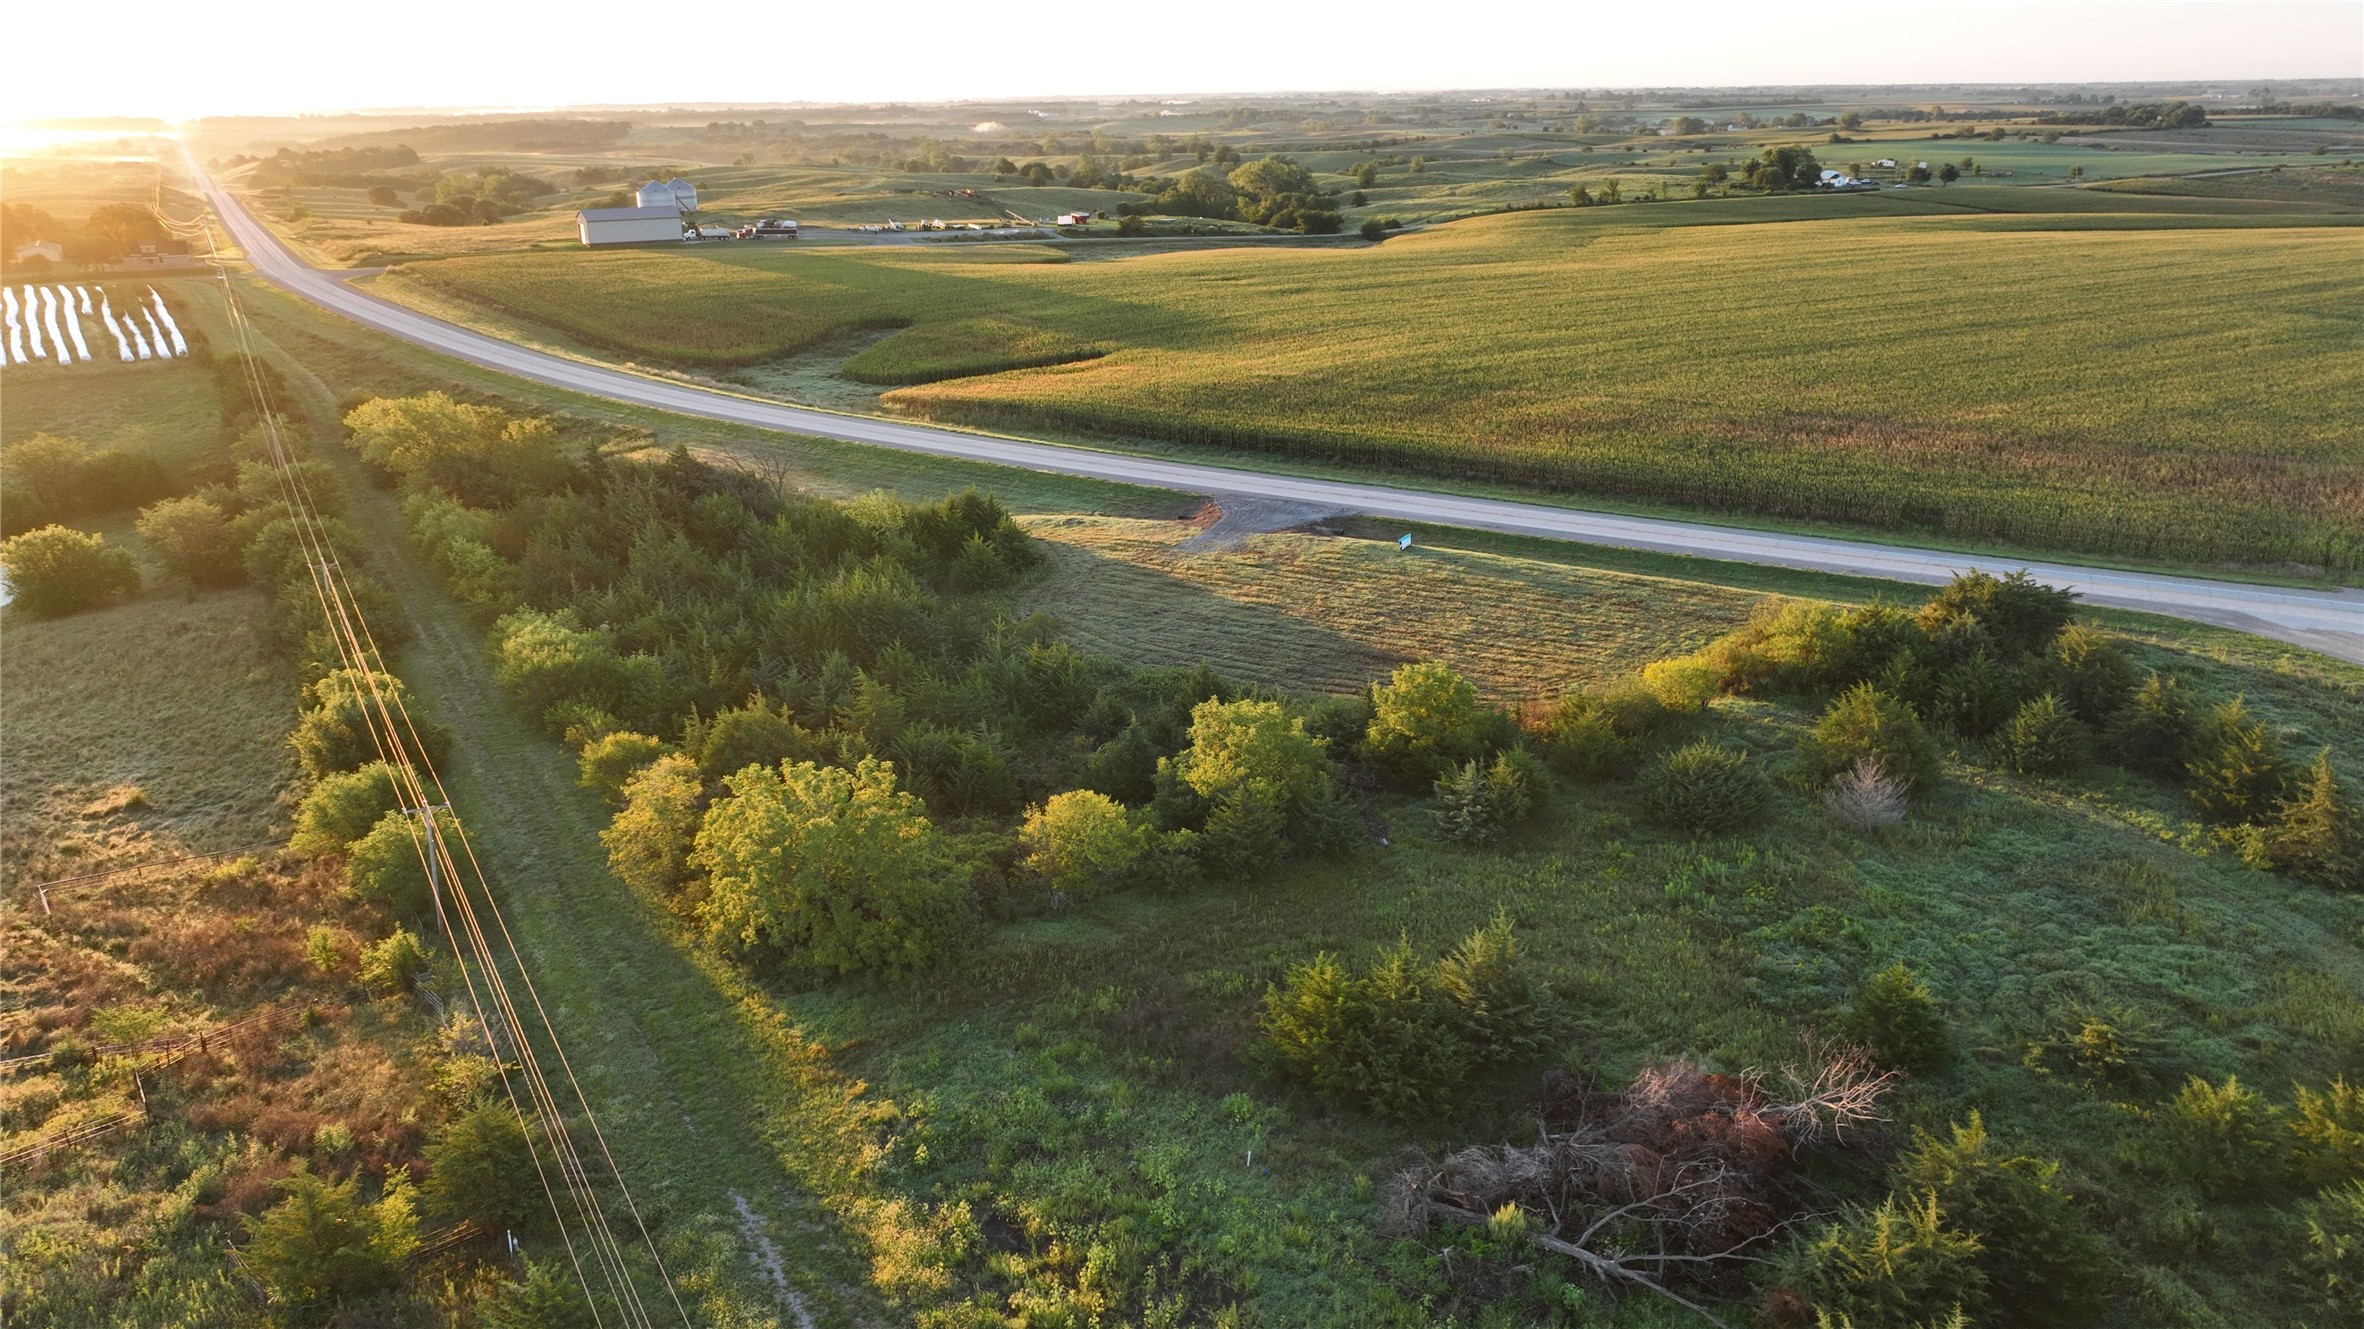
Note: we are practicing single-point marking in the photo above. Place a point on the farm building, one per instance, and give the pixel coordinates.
(1074, 218)
(679, 193)
(625, 226)
(48, 251)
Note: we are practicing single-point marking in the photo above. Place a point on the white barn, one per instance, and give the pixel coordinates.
(625, 226)
(680, 193)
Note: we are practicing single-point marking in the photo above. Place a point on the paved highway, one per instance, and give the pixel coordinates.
(2329, 621)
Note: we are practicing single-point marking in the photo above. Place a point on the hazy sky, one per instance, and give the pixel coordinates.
(282, 55)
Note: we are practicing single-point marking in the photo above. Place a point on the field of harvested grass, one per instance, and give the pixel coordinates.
(1315, 613)
(2137, 390)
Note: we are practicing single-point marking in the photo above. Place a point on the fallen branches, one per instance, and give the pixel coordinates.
(1686, 1177)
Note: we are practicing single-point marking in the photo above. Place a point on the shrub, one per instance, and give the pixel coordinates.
(2021, 614)
(394, 963)
(385, 866)
(1682, 685)
(481, 1167)
(611, 759)
(1426, 720)
(1400, 1037)
(1081, 842)
(2318, 833)
(2154, 730)
(2328, 1133)
(838, 869)
(2038, 1257)
(1382, 1038)
(1973, 699)
(194, 538)
(1890, 1265)
(2043, 738)
(1519, 783)
(1465, 811)
(321, 1244)
(648, 842)
(1705, 789)
(1867, 724)
(54, 571)
(344, 729)
(1580, 739)
(2089, 673)
(1896, 1016)
(2237, 772)
(342, 807)
(546, 1298)
(1864, 798)
(2219, 1137)
(2333, 1260)
(1498, 1008)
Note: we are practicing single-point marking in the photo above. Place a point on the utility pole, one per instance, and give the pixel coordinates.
(434, 835)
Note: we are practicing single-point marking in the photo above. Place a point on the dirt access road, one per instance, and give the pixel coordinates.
(2328, 621)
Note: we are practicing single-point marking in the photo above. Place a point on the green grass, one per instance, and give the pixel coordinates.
(2143, 391)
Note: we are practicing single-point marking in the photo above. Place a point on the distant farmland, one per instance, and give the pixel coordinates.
(2176, 386)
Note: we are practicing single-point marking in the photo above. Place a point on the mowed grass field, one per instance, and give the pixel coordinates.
(2114, 382)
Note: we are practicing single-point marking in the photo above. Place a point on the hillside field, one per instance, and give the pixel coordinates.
(2091, 376)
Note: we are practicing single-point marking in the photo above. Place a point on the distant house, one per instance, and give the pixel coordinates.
(49, 251)
(1074, 219)
(626, 226)
(680, 194)
(1886, 163)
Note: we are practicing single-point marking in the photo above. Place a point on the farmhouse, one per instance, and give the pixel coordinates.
(48, 251)
(677, 193)
(625, 226)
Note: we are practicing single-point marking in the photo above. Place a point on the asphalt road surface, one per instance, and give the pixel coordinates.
(2328, 621)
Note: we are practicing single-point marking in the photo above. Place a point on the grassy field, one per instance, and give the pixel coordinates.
(2173, 387)
(1082, 1080)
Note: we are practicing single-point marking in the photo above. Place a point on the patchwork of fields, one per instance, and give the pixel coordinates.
(2175, 382)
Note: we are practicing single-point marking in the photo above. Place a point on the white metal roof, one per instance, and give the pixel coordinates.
(629, 214)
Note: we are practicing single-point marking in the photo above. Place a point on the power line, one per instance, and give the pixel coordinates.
(457, 891)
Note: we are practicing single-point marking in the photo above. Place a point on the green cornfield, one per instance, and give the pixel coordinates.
(2177, 387)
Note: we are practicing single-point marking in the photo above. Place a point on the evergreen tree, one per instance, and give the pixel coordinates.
(2236, 772)
(2318, 835)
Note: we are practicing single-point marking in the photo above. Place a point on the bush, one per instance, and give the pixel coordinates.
(1865, 724)
(1896, 1016)
(1895, 1264)
(2219, 1137)
(2328, 1134)
(54, 571)
(611, 759)
(2154, 730)
(385, 866)
(344, 728)
(2043, 738)
(194, 538)
(1683, 685)
(838, 869)
(2318, 833)
(2333, 1260)
(1704, 789)
(481, 1167)
(1973, 699)
(2237, 772)
(1580, 739)
(1401, 1036)
(1372, 229)
(1519, 783)
(321, 1244)
(648, 842)
(1426, 720)
(546, 1298)
(1863, 798)
(342, 807)
(394, 963)
(2090, 674)
(2039, 1259)
(2021, 614)
(1465, 811)
(1081, 842)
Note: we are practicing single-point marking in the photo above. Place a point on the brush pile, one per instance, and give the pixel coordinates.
(1684, 1178)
